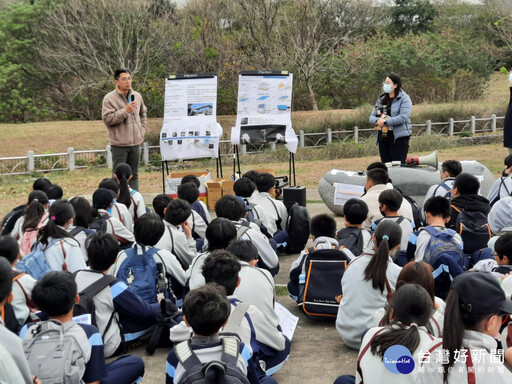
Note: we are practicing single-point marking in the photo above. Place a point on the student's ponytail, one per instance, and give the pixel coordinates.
(123, 172)
(60, 213)
(412, 307)
(387, 235)
(37, 200)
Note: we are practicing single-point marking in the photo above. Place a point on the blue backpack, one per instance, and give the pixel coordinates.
(446, 258)
(139, 272)
(35, 263)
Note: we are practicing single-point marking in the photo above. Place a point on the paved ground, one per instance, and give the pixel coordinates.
(317, 353)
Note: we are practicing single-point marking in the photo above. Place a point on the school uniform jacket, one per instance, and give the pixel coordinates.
(120, 212)
(196, 278)
(501, 188)
(487, 369)
(137, 205)
(198, 224)
(274, 209)
(500, 215)
(19, 303)
(265, 251)
(175, 241)
(116, 228)
(54, 254)
(360, 300)
(15, 347)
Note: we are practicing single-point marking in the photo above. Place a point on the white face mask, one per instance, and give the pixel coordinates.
(388, 88)
(510, 77)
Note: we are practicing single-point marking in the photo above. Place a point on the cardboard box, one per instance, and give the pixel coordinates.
(214, 193)
(227, 187)
(173, 181)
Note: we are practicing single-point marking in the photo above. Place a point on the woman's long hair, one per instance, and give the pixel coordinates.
(387, 236)
(83, 211)
(123, 172)
(60, 213)
(35, 209)
(412, 307)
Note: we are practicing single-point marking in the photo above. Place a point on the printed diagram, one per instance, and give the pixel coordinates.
(200, 109)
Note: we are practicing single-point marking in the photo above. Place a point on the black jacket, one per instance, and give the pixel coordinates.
(470, 203)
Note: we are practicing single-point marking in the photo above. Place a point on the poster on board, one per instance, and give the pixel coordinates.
(190, 129)
(264, 109)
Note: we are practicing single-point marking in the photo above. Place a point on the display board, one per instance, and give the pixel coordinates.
(264, 109)
(190, 129)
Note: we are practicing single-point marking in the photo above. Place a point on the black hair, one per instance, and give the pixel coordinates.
(265, 182)
(9, 248)
(219, 233)
(188, 192)
(377, 176)
(411, 304)
(453, 167)
(377, 165)
(229, 207)
(119, 71)
(245, 250)
(503, 247)
(55, 293)
(123, 172)
(466, 184)
(395, 78)
(110, 183)
(438, 206)
(392, 199)
(323, 225)
(252, 175)
(41, 184)
(148, 229)
(160, 202)
(508, 161)
(60, 212)
(355, 211)
(206, 309)
(191, 179)
(222, 267)
(5, 278)
(387, 235)
(54, 192)
(102, 250)
(244, 187)
(35, 209)
(83, 211)
(178, 211)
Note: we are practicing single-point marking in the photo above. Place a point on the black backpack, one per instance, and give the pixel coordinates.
(223, 371)
(166, 318)
(416, 212)
(352, 239)
(99, 224)
(473, 227)
(9, 221)
(298, 228)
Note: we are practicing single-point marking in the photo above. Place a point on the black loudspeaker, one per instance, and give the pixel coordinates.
(293, 195)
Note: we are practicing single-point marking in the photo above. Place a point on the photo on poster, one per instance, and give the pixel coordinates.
(200, 109)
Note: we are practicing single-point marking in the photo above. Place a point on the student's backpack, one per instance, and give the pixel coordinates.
(86, 303)
(139, 272)
(446, 258)
(198, 207)
(35, 263)
(75, 231)
(447, 193)
(221, 371)
(242, 229)
(166, 318)
(298, 228)
(17, 275)
(53, 354)
(351, 238)
(9, 221)
(473, 227)
(321, 293)
(30, 236)
(99, 224)
(416, 211)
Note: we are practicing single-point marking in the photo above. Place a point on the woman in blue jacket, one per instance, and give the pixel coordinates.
(392, 118)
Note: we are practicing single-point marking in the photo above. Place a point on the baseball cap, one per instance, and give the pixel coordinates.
(480, 293)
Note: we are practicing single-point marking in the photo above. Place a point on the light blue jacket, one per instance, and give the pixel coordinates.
(400, 120)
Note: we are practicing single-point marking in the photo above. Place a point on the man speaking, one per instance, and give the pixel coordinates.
(124, 114)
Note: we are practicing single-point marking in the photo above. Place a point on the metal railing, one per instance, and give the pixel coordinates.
(72, 159)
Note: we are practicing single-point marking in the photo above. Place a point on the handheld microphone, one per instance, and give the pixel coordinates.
(132, 98)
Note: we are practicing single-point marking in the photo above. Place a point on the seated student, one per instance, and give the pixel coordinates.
(54, 193)
(160, 202)
(148, 230)
(450, 169)
(353, 237)
(22, 283)
(231, 208)
(276, 215)
(56, 295)
(177, 237)
(27, 227)
(389, 204)
(411, 309)
(500, 215)
(206, 309)
(128, 196)
(61, 250)
(118, 210)
(245, 188)
(198, 205)
(8, 338)
(257, 286)
(474, 312)
(437, 214)
(501, 263)
(368, 281)
(133, 314)
(417, 272)
(219, 234)
(79, 229)
(502, 187)
(323, 230)
(190, 194)
(102, 200)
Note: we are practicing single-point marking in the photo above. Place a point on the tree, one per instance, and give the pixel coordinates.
(500, 26)
(413, 16)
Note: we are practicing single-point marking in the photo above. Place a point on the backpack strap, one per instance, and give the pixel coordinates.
(230, 350)
(187, 358)
(470, 368)
(235, 318)
(119, 213)
(64, 265)
(400, 219)
(279, 218)
(242, 229)
(30, 303)
(365, 349)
